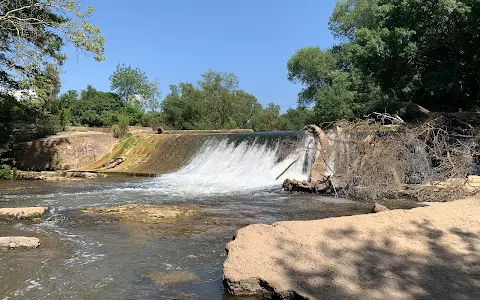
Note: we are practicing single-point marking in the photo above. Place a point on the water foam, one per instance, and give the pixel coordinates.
(225, 166)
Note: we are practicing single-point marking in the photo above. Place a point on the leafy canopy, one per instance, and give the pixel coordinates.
(134, 87)
(33, 33)
(393, 52)
(216, 102)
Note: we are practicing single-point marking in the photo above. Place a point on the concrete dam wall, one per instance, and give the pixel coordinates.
(64, 151)
(240, 159)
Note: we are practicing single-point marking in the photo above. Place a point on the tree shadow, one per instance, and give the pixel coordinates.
(424, 263)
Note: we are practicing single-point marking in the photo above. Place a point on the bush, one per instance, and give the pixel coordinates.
(7, 172)
(121, 128)
(153, 119)
(64, 118)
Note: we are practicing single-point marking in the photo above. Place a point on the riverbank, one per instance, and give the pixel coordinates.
(430, 252)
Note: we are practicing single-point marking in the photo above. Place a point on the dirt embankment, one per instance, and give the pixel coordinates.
(423, 253)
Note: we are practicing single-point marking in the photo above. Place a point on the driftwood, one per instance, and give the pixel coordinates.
(114, 162)
(319, 181)
(322, 187)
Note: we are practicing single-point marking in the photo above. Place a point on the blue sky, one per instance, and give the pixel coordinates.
(178, 40)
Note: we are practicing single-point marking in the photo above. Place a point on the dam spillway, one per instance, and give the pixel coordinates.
(244, 162)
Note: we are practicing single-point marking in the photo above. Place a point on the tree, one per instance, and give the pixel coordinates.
(32, 36)
(298, 118)
(96, 108)
(393, 53)
(33, 33)
(134, 87)
(417, 51)
(333, 85)
(220, 90)
(269, 119)
(214, 103)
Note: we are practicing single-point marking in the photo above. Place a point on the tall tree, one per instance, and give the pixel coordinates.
(214, 103)
(133, 86)
(333, 85)
(393, 53)
(33, 33)
(269, 119)
(32, 36)
(420, 51)
(220, 90)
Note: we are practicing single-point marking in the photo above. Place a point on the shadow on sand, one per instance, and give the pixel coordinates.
(429, 267)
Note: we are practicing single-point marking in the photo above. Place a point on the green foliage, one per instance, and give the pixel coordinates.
(335, 88)
(298, 118)
(422, 51)
(64, 118)
(391, 52)
(7, 172)
(269, 119)
(153, 119)
(121, 127)
(135, 88)
(22, 121)
(97, 109)
(33, 36)
(216, 102)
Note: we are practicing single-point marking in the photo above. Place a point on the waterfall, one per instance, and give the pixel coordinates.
(244, 162)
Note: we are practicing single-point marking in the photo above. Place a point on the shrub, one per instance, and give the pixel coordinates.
(64, 118)
(121, 128)
(153, 119)
(7, 172)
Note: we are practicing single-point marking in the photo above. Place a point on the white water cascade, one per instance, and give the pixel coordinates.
(225, 165)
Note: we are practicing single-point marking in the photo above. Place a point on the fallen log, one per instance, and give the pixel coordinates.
(321, 187)
(319, 181)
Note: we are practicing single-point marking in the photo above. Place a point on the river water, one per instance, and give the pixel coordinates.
(232, 183)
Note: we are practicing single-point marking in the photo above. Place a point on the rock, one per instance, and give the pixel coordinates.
(173, 277)
(22, 213)
(37, 221)
(379, 208)
(86, 175)
(371, 256)
(142, 213)
(318, 186)
(26, 175)
(54, 176)
(18, 242)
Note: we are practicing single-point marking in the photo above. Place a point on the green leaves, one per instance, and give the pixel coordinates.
(34, 33)
(134, 87)
(216, 102)
(331, 83)
(421, 51)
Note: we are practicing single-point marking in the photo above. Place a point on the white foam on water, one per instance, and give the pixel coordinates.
(225, 167)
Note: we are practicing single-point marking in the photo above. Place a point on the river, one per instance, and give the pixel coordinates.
(231, 184)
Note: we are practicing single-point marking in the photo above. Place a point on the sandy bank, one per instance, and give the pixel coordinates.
(423, 253)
